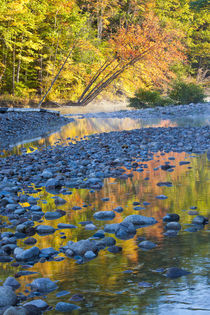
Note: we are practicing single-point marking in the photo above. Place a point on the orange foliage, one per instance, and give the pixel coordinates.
(157, 46)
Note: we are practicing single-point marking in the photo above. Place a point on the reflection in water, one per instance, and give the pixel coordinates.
(80, 128)
(102, 281)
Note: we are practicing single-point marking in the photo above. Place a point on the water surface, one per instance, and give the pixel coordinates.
(110, 283)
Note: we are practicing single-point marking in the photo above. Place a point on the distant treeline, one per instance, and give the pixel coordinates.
(129, 44)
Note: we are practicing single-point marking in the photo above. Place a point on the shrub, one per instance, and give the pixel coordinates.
(185, 93)
(147, 98)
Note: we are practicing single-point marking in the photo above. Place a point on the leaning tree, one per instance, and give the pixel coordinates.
(156, 46)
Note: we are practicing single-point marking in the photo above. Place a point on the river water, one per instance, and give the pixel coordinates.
(114, 283)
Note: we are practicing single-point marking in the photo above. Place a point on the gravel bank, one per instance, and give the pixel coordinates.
(19, 126)
(168, 112)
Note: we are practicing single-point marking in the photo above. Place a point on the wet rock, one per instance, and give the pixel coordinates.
(139, 220)
(30, 241)
(105, 242)
(147, 245)
(32, 310)
(59, 201)
(46, 174)
(104, 215)
(66, 307)
(82, 246)
(175, 272)
(200, 219)
(194, 228)
(54, 215)
(99, 234)
(90, 227)
(111, 228)
(11, 282)
(62, 226)
(27, 254)
(137, 208)
(171, 233)
(43, 285)
(5, 258)
(35, 208)
(173, 226)
(45, 229)
(89, 254)
(15, 311)
(48, 252)
(40, 304)
(7, 296)
(53, 184)
(125, 230)
(118, 209)
(76, 208)
(171, 217)
(114, 249)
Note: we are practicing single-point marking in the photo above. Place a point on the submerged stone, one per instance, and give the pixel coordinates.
(66, 307)
(44, 285)
(175, 272)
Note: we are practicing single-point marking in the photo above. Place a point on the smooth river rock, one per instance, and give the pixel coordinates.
(7, 296)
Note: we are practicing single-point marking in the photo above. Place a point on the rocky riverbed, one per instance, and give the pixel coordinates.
(17, 126)
(82, 164)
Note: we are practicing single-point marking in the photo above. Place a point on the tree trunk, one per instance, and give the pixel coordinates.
(13, 70)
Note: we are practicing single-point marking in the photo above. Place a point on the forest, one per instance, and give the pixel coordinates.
(109, 46)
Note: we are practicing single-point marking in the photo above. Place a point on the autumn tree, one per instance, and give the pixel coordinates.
(154, 46)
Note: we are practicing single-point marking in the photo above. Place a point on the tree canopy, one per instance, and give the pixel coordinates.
(106, 38)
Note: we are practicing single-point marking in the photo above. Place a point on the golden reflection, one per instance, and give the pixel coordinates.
(190, 188)
(76, 131)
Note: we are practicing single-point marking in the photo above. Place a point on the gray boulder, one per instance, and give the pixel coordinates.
(139, 220)
(28, 254)
(59, 201)
(104, 215)
(147, 245)
(41, 304)
(200, 219)
(44, 285)
(45, 229)
(53, 215)
(111, 228)
(125, 230)
(81, 247)
(11, 282)
(173, 226)
(7, 296)
(89, 255)
(15, 311)
(66, 226)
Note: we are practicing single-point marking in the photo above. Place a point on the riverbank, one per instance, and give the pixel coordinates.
(20, 125)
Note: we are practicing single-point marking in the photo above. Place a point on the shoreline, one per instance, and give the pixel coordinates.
(20, 125)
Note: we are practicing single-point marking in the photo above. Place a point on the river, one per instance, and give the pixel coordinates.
(132, 281)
